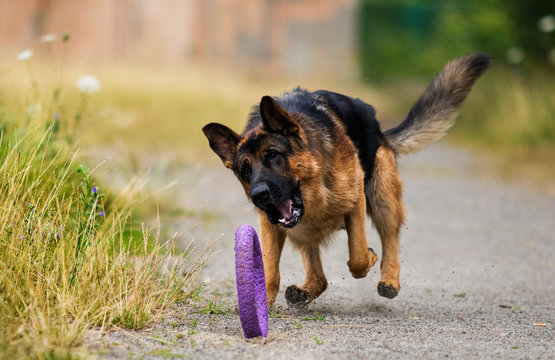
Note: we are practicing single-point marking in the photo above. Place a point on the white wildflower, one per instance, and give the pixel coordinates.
(88, 84)
(25, 55)
(48, 38)
(546, 23)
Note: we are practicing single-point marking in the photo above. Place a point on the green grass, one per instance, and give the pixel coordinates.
(318, 341)
(275, 314)
(166, 354)
(213, 308)
(315, 317)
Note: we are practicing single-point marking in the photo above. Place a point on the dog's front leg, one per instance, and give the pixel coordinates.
(315, 281)
(273, 239)
(361, 257)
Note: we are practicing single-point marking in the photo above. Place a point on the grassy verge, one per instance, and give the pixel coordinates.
(68, 261)
(508, 110)
(512, 117)
(508, 115)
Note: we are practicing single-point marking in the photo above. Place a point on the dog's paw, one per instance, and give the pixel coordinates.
(387, 290)
(361, 269)
(295, 296)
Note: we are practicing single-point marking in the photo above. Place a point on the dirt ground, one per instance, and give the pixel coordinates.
(477, 277)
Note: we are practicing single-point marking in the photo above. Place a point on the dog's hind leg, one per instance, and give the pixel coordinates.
(315, 281)
(385, 207)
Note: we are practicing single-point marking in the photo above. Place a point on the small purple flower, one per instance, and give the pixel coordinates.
(56, 116)
(22, 237)
(94, 190)
(102, 213)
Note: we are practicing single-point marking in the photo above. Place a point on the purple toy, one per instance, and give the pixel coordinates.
(251, 287)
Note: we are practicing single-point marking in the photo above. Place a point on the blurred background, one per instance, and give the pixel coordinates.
(168, 67)
(273, 38)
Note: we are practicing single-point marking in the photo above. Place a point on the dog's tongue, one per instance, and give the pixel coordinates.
(285, 209)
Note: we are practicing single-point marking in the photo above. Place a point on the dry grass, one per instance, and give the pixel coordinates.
(64, 262)
(67, 261)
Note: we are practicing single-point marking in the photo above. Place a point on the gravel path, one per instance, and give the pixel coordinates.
(477, 275)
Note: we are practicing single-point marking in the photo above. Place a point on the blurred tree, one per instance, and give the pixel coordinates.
(408, 37)
(525, 15)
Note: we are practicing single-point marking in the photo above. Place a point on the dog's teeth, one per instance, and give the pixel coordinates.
(282, 221)
(296, 212)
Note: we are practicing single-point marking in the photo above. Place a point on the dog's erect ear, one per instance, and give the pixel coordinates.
(276, 119)
(223, 141)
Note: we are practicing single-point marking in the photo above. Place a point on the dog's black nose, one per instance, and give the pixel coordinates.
(260, 194)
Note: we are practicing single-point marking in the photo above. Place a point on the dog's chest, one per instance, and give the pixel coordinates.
(317, 232)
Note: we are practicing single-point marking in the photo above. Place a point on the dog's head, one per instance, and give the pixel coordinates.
(262, 159)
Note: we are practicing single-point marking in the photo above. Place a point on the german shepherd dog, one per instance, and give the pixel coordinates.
(316, 162)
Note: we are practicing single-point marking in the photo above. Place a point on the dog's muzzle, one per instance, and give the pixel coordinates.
(287, 212)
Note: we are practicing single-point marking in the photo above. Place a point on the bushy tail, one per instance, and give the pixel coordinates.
(435, 111)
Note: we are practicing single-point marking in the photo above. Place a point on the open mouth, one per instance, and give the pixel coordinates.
(287, 213)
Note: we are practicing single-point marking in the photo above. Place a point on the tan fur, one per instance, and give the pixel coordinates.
(333, 191)
(328, 197)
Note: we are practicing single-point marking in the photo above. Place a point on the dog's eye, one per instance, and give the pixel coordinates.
(245, 171)
(271, 154)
